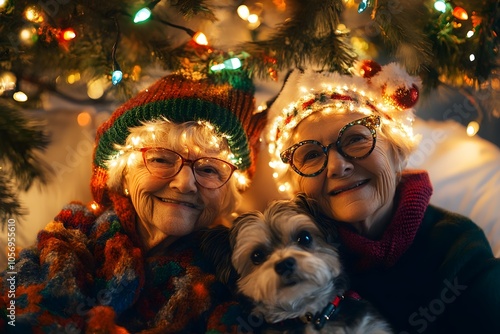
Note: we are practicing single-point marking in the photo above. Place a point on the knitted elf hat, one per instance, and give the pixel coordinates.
(371, 89)
(227, 103)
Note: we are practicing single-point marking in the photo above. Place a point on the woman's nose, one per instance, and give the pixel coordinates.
(184, 181)
(338, 165)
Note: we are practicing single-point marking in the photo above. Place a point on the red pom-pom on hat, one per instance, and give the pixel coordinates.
(368, 68)
(405, 98)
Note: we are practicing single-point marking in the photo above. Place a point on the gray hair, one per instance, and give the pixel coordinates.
(157, 133)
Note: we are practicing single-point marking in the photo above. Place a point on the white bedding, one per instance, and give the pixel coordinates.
(465, 173)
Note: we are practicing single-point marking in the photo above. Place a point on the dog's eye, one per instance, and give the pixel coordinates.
(258, 256)
(304, 238)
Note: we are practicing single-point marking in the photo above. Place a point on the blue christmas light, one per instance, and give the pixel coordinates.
(116, 77)
(362, 6)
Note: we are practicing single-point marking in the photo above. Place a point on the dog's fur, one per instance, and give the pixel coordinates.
(283, 261)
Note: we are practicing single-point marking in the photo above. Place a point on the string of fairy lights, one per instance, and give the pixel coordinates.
(456, 24)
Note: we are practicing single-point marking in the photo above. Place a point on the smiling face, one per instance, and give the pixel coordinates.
(168, 208)
(172, 207)
(358, 192)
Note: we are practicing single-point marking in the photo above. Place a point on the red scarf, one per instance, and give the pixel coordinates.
(411, 200)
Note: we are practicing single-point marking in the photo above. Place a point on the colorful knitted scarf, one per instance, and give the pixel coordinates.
(411, 200)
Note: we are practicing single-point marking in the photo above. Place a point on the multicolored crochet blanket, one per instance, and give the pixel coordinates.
(85, 274)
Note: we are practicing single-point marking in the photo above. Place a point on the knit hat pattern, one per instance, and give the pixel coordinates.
(227, 104)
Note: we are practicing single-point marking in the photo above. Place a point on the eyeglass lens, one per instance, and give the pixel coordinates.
(208, 172)
(355, 141)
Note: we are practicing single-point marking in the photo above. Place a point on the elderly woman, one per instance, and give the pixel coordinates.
(164, 168)
(343, 140)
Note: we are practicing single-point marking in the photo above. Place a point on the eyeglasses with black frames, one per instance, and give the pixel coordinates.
(211, 173)
(356, 141)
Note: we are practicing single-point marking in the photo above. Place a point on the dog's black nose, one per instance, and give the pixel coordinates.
(285, 266)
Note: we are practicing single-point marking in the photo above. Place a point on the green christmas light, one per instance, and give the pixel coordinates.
(229, 64)
(142, 15)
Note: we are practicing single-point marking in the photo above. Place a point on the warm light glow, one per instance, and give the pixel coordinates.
(20, 96)
(470, 33)
(136, 140)
(68, 34)
(243, 12)
(281, 5)
(32, 14)
(83, 118)
(136, 73)
(3, 4)
(440, 6)
(200, 38)
(7, 81)
(28, 35)
(72, 78)
(131, 159)
(472, 57)
(253, 18)
(472, 128)
(95, 89)
(94, 206)
(142, 15)
(241, 178)
(460, 13)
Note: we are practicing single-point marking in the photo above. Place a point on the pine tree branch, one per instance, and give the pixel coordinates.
(308, 37)
(400, 24)
(20, 143)
(9, 202)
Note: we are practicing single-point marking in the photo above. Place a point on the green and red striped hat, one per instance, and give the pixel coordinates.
(227, 103)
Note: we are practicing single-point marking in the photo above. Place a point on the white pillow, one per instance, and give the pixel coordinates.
(464, 171)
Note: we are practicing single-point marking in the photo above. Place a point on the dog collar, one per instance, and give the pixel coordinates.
(319, 321)
(327, 313)
(332, 308)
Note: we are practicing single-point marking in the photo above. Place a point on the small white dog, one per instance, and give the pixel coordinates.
(292, 273)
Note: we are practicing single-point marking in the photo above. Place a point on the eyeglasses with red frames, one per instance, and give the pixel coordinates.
(356, 140)
(209, 172)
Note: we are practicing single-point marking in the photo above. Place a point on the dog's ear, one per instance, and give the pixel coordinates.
(306, 203)
(216, 248)
(326, 224)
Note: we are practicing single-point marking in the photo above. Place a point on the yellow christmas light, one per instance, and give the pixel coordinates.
(472, 128)
(20, 96)
(243, 12)
(200, 38)
(32, 14)
(28, 35)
